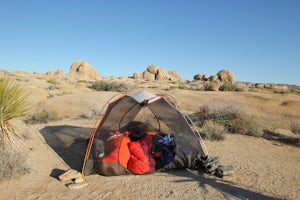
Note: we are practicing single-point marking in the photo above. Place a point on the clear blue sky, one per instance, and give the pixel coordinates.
(259, 40)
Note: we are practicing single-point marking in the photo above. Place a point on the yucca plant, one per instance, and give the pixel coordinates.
(13, 103)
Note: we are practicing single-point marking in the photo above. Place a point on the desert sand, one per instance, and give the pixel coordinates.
(265, 167)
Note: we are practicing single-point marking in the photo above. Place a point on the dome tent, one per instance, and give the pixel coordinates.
(158, 110)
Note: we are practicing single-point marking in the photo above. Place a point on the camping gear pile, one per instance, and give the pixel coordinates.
(141, 133)
(136, 150)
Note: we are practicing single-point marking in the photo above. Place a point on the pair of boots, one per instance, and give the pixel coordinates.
(212, 166)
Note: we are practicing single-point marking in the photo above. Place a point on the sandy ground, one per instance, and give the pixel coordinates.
(265, 167)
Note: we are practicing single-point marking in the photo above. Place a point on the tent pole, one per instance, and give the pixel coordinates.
(190, 121)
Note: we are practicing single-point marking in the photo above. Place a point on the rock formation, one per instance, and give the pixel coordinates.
(162, 75)
(84, 71)
(200, 77)
(154, 72)
(148, 76)
(223, 76)
(153, 69)
(226, 76)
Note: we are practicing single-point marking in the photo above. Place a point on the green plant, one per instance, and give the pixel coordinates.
(52, 81)
(109, 86)
(82, 81)
(228, 87)
(183, 87)
(13, 103)
(50, 95)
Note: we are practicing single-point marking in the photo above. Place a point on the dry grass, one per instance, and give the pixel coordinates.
(42, 117)
(235, 117)
(213, 131)
(109, 86)
(11, 164)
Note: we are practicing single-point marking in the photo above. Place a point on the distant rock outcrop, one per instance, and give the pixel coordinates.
(136, 75)
(153, 69)
(223, 76)
(148, 76)
(162, 75)
(200, 77)
(174, 75)
(84, 71)
(154, 72)
(50, 72)
(226, 76)
(213, 78)
(59, 71)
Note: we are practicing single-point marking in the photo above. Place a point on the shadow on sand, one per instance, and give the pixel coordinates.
(227, 189)
(69, 142)
(283, 139)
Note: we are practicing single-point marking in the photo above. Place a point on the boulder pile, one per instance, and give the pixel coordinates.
(223, 76)
(154, 72)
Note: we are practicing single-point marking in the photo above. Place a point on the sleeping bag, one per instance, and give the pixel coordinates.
(116, 155)
(141, 160)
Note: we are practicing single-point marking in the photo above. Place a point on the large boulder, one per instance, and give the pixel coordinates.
(148, 76)
(200, 77)
(136, 75)
(59, 71)
(212, 87)
(226, 76)
(153, 69)
(162, 75)
(84, 71)
(174, 75)
(213, 78)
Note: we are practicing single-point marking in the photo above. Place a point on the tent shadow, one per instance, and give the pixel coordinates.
(283, 139)
(227, 189)
(69, 142)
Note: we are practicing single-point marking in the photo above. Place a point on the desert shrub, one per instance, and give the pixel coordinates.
(109, 86)
(52, 87)
(240, 89)
(82, 81)
(52, 81)
(228, 87)
(13, 103)
(235, 117)
(295, 127)
(247, 124)
(50, 96)
(11, 163)
(213, 131)
(42, 117)
(213, 86)
(200, 116)
(183, 87)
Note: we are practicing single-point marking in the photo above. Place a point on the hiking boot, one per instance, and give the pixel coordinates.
(224, 171)
(210, 164)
